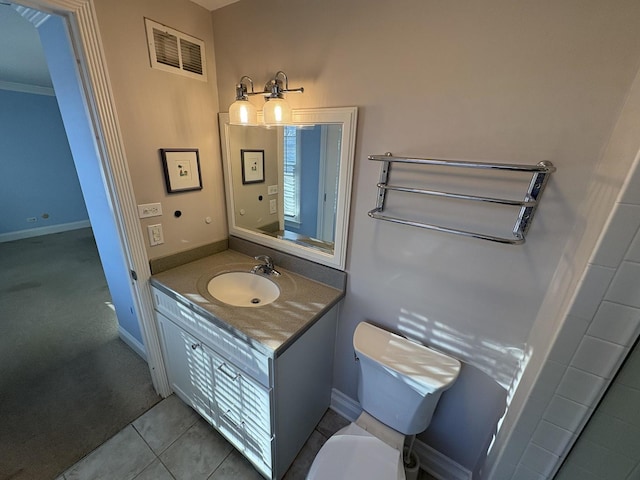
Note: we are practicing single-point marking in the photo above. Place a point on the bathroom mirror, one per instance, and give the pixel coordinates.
(289, 187)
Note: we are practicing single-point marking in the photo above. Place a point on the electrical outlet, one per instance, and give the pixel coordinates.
(272, 189)
(146, 210)
(155, 234)
(273, 206)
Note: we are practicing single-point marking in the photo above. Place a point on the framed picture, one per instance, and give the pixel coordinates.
(181, 169)
(252, 166)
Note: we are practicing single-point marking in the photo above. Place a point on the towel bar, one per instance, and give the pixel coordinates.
(540, 176)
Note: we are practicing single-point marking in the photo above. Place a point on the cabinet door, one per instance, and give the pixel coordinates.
(188, 367)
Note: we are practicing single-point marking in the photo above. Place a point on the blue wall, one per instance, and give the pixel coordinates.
(37, 174)
(62, 66)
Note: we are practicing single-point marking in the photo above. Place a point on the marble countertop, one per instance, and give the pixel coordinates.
(273, 327)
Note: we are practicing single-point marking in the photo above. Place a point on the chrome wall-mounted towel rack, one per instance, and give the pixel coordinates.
(540, 175)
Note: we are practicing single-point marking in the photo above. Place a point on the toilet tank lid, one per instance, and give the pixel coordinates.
(431, 369)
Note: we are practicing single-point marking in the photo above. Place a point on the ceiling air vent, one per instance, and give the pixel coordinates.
(174, 51)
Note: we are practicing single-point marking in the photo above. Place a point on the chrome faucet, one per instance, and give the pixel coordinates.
(267, 267)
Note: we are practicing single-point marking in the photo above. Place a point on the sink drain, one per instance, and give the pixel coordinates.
(255, 300)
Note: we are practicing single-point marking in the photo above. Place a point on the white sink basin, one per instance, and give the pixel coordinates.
(243, 289)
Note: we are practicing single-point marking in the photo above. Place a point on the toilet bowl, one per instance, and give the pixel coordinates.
(399, 386)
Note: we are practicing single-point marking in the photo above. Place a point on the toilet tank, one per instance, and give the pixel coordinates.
(400, 381)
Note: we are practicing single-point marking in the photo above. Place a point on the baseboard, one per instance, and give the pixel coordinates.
(36, 232)
(438, 465)
(132, 342)
(433, 462)
(345, 405)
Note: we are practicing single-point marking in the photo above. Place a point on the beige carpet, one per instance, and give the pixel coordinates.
(67, 382)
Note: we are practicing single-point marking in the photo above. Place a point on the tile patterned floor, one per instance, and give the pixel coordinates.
(172, 442)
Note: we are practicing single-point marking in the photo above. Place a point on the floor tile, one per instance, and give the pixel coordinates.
(331, 422)
(197, 453)
(164, 423)
(120, 458)
(155, 471)
(302, 463)
(235, 467)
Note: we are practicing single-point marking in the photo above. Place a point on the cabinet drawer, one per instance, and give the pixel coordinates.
(258, 449)
(251, 361)
(227, 392)
(175, 310)
(255, 405)
(232, 431)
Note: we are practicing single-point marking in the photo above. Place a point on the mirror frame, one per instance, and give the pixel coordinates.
(347, 116)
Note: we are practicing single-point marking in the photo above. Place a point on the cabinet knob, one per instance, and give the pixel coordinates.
(195, 345)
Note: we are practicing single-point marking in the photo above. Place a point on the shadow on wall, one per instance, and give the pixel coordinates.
(466, 419)
(500, 362)
(468, 414)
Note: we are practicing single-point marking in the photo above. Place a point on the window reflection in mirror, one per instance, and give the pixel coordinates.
(303, 162)
(301, 202)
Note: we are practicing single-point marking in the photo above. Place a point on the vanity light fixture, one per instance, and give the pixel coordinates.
(242, 111)
(276, 109)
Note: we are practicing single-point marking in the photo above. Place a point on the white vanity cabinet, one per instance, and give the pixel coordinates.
(266, 405)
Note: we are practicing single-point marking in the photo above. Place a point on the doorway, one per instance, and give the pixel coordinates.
(56, 405)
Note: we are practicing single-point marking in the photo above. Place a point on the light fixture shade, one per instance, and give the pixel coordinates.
(276, 112)
(243, 112)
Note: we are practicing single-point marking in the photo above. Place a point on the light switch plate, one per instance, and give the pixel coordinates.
(272, 189)
(273, 206)
(146, 210)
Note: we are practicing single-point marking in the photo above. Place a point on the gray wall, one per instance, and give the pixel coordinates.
(496, 81)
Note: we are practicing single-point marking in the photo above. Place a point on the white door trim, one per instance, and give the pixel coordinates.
(86, 42)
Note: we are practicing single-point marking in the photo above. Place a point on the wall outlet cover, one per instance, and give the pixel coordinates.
(273, 206)
(156, 236)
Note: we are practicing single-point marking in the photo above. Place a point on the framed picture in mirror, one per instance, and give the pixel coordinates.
(181, 169)
(252, 166)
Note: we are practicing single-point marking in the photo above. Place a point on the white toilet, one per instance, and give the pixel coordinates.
(399, 386)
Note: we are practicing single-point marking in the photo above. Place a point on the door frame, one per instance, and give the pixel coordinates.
(81, 20)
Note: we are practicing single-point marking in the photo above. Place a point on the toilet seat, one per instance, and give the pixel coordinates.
(356, 455)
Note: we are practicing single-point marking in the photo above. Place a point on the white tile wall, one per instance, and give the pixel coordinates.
(524, 473)
(616, 434)
(609, 447)
(538, 459)
(633, 255)
(602, 462)
(592, 290)
(598, 356)
(566, 413)
(553, 438)
(581, 386)
(603, 323)
(568, 340)
(622, 227)
(616, 323)
(625, 287)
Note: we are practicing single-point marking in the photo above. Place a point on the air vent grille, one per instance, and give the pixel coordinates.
(176, 52)
(166, 48)
(191, 57)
